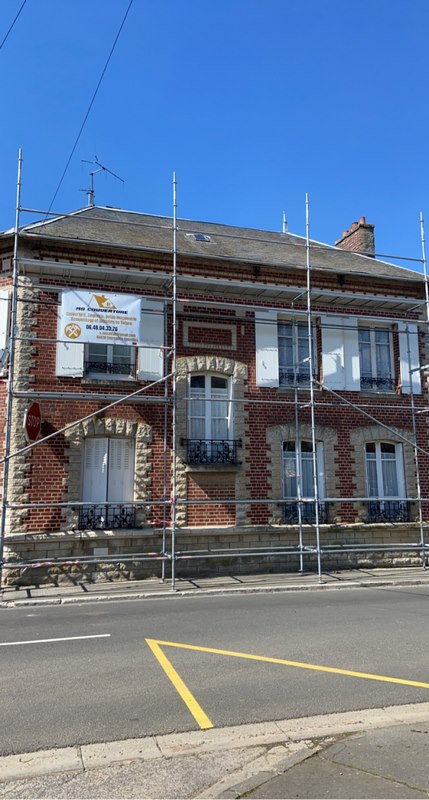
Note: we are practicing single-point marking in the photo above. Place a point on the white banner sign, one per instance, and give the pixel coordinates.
(100, 317)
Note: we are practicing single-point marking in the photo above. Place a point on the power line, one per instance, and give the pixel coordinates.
(13, 23)
(91, 104)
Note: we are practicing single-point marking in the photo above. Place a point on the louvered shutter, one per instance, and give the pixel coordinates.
(151, 353)
(121, 471)
(267, 349)
(70, 356)
(409, 361)
(94, 484)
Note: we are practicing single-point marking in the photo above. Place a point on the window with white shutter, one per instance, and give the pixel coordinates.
(107, 483)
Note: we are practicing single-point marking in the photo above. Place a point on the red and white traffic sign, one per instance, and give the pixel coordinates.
(32, 422)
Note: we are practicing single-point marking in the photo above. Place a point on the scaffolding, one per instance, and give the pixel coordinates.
(305, 396)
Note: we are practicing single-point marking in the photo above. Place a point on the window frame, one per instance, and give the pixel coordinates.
(106, 375)
(399, 470)
(372, 329)
(294, 509)
(208, 401)
(320, 468)
(297, 368)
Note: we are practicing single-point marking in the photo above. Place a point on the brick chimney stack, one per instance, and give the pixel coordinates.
(359, 239)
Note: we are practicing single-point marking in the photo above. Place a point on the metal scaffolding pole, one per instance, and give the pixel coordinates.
(416, 451)
(311, 367)
(298, 481)
(425, 272)
(10, 378)
(165, 464)
(174, 395)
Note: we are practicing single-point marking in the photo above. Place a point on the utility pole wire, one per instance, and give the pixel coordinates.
(13, 23)
(90, 105)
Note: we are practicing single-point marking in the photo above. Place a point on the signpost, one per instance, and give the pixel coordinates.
(32, 422)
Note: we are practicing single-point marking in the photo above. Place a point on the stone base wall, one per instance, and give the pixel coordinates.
(100, 545)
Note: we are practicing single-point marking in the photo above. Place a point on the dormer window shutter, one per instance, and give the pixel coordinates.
(151, 353)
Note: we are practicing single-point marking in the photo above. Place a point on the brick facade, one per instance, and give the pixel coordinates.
(216, 337)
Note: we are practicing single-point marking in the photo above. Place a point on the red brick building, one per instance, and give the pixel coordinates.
(297, 389)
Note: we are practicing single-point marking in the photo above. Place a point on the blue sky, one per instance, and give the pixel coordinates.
(252, 102)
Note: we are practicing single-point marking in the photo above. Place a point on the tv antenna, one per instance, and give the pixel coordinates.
(90, 193)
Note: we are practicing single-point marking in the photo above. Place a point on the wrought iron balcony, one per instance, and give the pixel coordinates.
(103, 368)
(101, 515)
(388, 511)
(211, 451)
(308, 512)
(381, 383)
(289, 377)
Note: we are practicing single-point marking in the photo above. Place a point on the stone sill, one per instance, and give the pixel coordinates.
(64, 536)
(221, 530)
(131, 383)
(211, 468)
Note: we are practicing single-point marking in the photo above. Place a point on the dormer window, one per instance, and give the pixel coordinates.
(199, 237)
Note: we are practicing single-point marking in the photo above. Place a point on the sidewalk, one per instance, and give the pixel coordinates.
(381, 753)
(231, 584)
(374, 753)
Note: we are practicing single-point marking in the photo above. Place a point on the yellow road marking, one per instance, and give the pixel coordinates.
(197, 712)
(302, 665)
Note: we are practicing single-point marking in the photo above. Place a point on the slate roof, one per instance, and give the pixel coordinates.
(108, 226)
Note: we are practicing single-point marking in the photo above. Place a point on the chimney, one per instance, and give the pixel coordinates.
(359, 239)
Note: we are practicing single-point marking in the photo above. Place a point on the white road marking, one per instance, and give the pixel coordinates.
(60, 639)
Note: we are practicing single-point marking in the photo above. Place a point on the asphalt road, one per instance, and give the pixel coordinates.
(111, 685)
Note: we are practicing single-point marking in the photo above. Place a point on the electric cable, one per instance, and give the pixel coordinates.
(90, 105)
(12, 25)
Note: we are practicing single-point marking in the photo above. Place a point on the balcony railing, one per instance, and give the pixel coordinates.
(388, 511)
(308, 512)
(383, 383)
(101, 515)
(288, 377)
(103, 368)
(211, 451)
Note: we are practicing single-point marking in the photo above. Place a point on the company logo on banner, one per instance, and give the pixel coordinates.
(101, 318)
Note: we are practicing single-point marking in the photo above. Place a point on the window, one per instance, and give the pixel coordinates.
(294, 353)
(199, 237)
(107, 483)
(114, 360)
(376, 363)
(298, 481)
(210, 424)
(385, 482)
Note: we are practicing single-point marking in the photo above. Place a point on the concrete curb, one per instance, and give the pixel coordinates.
(293, 741)
(207, 592)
